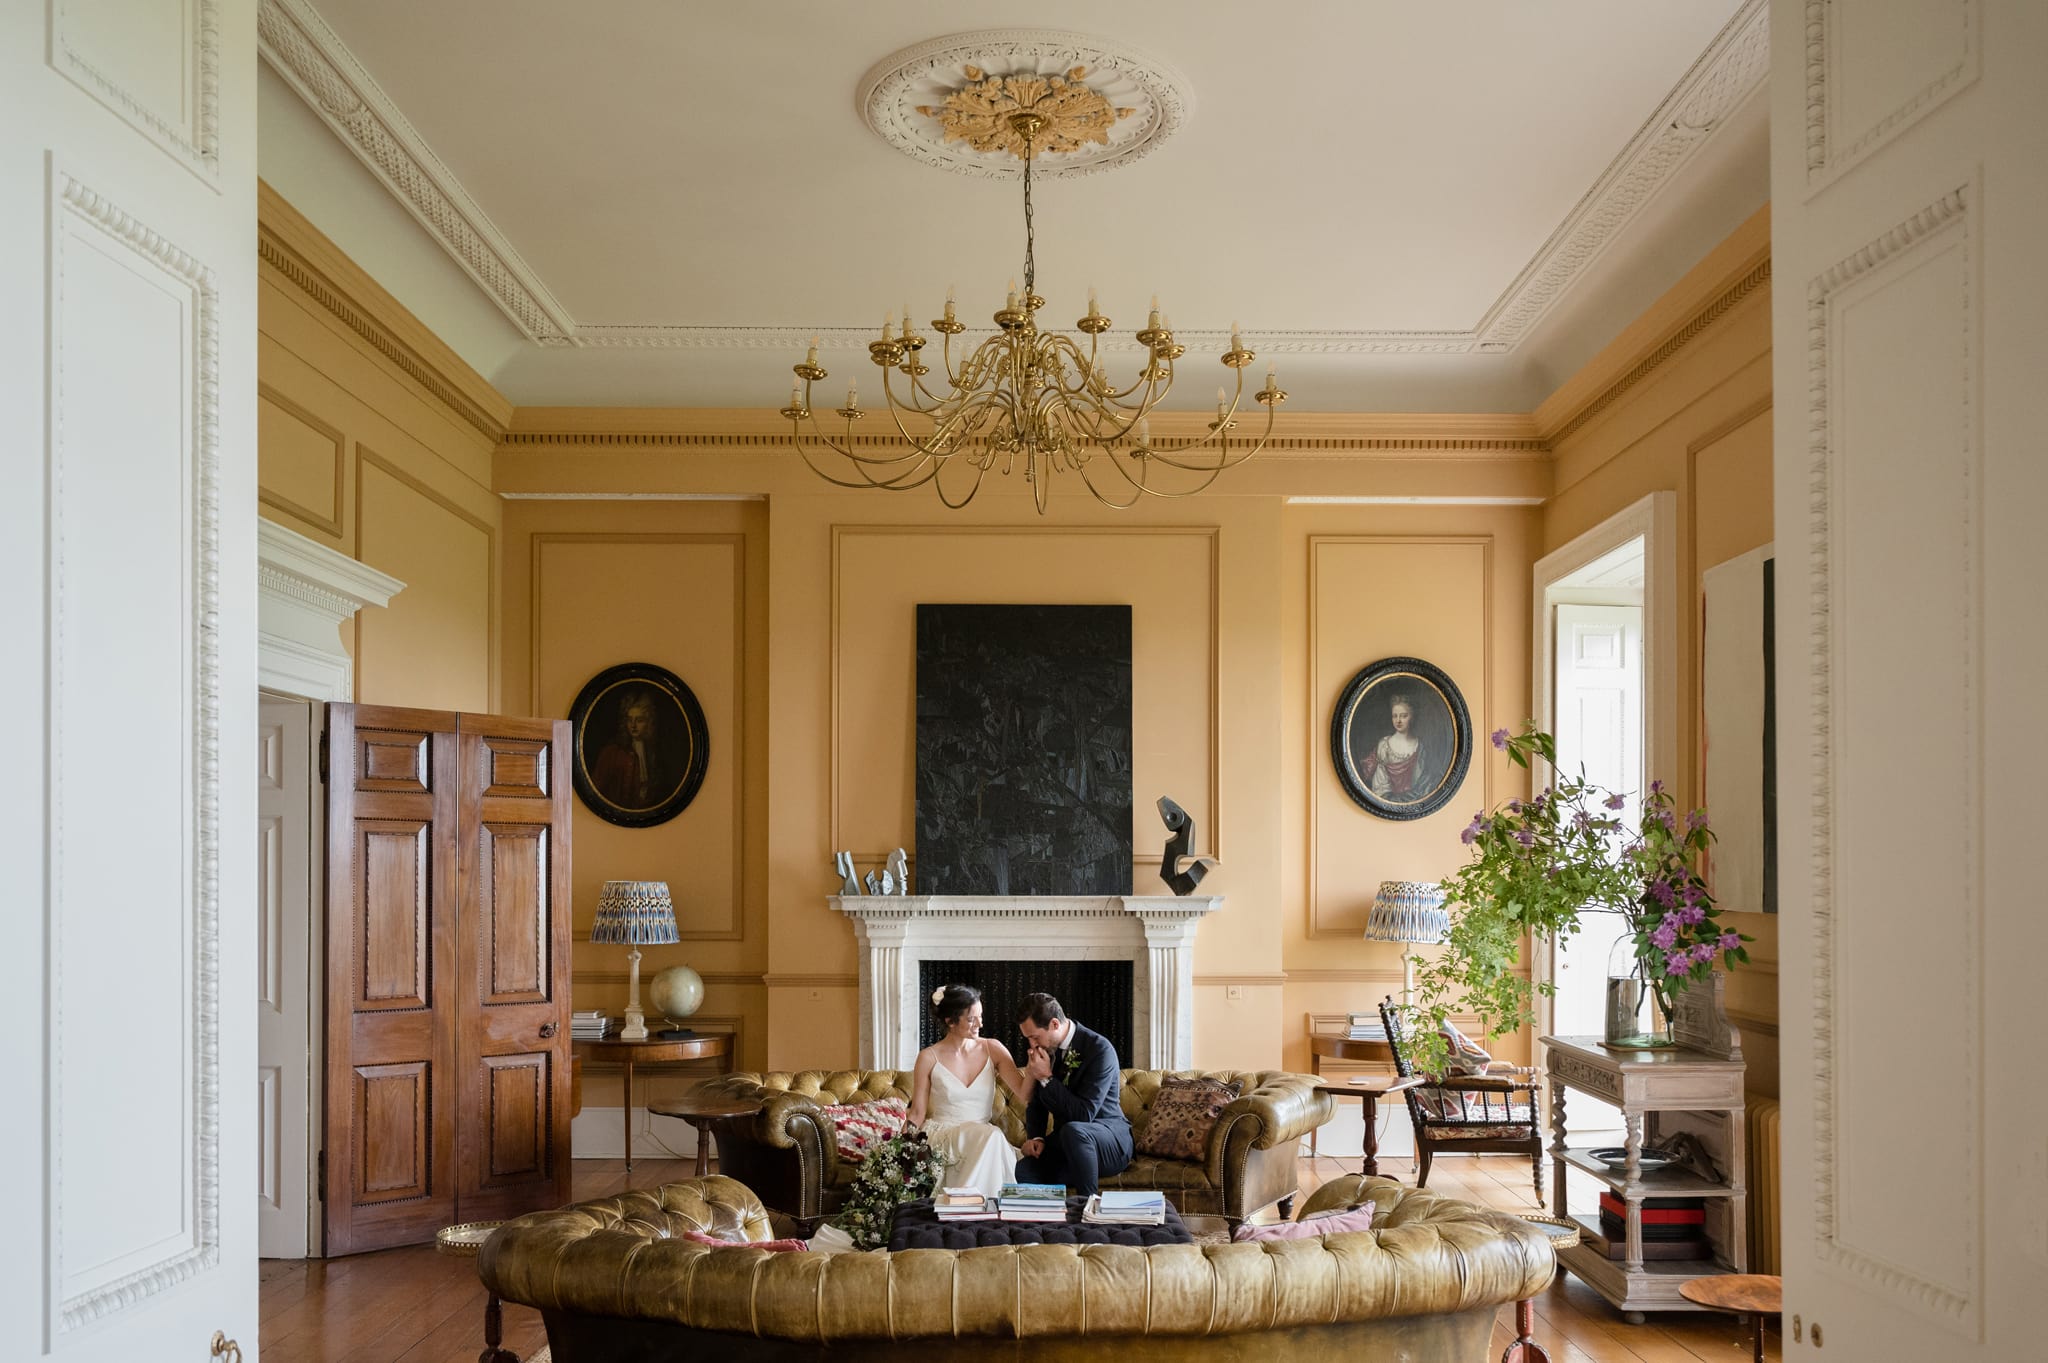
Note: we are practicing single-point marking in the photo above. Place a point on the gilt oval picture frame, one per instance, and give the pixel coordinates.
(1401, 738)
(640, 745)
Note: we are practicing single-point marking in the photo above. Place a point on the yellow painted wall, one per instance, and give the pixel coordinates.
(682, 585)
(1698, 426)
(360, 453)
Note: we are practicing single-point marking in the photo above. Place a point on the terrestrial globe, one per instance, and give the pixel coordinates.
(676, 992)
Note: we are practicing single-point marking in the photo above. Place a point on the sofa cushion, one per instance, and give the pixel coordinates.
(1167, 1175)
(772, 1246)
(856, 1126)
(1182, 1115)
(1333, 1222)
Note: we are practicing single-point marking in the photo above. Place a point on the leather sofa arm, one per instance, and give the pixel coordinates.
(787, 1119)
(1285, 1107)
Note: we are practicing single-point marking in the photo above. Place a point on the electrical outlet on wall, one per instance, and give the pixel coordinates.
(1234, 993)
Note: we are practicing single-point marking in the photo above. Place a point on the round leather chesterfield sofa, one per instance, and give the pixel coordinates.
(786, 1154)
(615, 1284)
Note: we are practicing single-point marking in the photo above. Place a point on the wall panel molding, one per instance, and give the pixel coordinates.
(330, 519)
(1952, 1297)
(1832, 149)
(735, 744)
(982, 533)
(368, 458)
(189, 134)
(1477, 699)
(81, 221)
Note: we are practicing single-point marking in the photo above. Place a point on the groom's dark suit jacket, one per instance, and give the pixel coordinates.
(1089, 1094)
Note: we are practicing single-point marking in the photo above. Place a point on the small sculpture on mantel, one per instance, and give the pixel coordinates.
(899, 867)
(1179, 867)
(881, 883)
(843, 864)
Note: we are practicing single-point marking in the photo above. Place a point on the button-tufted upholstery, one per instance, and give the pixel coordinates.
(614, 1286)
(786, 1153)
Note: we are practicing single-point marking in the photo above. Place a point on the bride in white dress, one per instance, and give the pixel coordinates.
(953, 1094)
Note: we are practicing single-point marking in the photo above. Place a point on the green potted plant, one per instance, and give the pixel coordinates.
(1539, 867)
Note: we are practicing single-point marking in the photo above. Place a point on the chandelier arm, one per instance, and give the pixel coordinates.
(847, 452)
(903, 482)
(972, 488)
(1226, 461)
(1142, 487)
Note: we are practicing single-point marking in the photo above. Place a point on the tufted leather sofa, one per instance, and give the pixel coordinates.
(786, 1153)
(614, 1286)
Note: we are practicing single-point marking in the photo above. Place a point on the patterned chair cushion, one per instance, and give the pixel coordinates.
(856, 1126)
(1481, 1133)
(1184, 1112)
(1451, 1106)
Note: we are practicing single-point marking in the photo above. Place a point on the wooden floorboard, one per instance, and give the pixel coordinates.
(415, 1306)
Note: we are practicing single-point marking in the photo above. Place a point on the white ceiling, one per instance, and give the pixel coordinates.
(699, 173)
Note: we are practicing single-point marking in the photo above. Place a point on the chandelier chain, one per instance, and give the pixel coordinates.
(1030, 264)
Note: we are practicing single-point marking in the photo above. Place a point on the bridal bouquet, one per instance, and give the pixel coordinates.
(900, 1169)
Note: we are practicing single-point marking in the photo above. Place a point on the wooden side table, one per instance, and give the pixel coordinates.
(1321, 1048)
(1371, 1088)
(653, 1051)
(464, 1242)
(700, 1110)
(1749, 1294)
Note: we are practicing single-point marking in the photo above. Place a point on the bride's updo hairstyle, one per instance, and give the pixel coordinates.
(950, 1003)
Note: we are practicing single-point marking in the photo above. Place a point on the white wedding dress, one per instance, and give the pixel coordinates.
(957, 1124)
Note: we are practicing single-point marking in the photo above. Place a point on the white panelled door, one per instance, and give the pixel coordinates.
(1909, 151)
(285, 755)
(1599, 708)
(127, 375)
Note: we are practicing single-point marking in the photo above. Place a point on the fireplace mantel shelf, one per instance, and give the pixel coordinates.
(1155, 933)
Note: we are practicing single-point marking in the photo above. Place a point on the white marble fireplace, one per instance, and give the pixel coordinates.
(1155, 933)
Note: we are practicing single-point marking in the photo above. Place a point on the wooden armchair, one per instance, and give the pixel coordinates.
(1490, 1114)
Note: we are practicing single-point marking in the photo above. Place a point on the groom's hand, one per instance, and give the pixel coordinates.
(1032, 1148)
(1039, 1066)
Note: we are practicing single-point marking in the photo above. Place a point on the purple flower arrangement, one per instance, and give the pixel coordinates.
(1538, 865)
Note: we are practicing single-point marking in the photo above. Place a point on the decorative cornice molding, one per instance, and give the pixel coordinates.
(313, 60)
(1160, 97)
(304, 570)
(1733, 66)
(330, 79)
(1656, 359)
(293, 248)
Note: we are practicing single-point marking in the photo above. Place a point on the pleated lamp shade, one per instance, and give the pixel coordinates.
(1408, 911)
(634, 913)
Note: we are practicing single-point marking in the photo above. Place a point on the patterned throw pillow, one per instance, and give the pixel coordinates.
(856, 1126)
(1333, 1222)
(1178, 1124)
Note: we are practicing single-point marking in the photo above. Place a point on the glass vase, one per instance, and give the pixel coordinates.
(1626, 988)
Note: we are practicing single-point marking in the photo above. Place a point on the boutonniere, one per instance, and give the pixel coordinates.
(1070, 1062)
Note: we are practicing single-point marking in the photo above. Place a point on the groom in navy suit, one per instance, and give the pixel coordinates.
(1076, 1081)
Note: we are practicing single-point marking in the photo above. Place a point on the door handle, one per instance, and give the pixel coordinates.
(547, 1029)
(225, 1349)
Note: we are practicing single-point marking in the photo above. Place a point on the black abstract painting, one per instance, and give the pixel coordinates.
(1024, 750)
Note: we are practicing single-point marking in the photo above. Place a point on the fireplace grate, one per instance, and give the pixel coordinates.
(1096, 994)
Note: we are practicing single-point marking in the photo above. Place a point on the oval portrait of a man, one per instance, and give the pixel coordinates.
(1401, 738)
(641, 746)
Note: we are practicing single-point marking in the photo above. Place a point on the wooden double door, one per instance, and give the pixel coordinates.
(447, 1013)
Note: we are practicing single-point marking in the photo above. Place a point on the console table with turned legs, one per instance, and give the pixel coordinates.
(1651, 1087)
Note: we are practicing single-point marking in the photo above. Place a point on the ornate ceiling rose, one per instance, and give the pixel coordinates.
(947, 102)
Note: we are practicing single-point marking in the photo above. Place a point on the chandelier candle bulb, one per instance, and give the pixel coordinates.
(853, 394)
(888, 324)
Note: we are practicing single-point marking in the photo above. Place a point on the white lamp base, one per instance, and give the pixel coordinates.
(636, 1021)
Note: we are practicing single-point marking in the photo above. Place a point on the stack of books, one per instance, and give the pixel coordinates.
(1032, 1202)
(1673, 1227)
(963, 1204)
(1366, 1027)
(1141, 1208)
(591, 1026)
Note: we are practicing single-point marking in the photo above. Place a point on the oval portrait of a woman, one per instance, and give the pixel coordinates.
(1401, 738)
(641, 746)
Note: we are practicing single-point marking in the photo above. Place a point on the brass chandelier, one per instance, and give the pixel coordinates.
(1025, 398)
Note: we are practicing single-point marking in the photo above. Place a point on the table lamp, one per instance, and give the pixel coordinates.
(634, 913)
(1408, 911)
